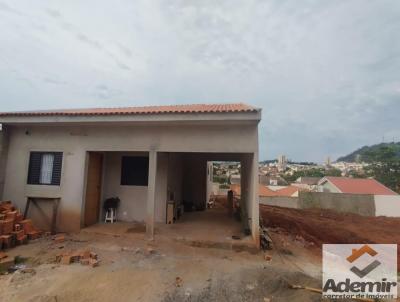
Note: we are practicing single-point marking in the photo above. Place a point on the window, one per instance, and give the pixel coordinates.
(134, 171)
(45, 168)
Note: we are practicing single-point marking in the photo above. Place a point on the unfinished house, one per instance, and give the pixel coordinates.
(152, 158)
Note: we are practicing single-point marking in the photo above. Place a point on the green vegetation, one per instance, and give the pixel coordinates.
(221, 179)
(384, 165)
(362, 154)
(314, 172)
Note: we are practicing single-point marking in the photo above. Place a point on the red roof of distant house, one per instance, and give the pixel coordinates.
(287, 191)
(194, 108)
(359, 186)
(262, 190)
(265, 191)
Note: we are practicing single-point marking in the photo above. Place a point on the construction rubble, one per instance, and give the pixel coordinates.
(84, 257)
(14, 229)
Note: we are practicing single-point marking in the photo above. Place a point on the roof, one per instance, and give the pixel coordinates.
(358, 185)
(308, 180)
(148, 110)
(287, 191)
(262, 190)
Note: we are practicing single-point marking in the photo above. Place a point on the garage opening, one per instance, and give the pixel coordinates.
(193, 196)
(204, 202)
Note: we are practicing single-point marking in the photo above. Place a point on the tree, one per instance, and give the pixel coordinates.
(384, 166)
(313, 172)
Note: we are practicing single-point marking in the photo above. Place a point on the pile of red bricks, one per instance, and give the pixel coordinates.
(14, 229)
(84, 257)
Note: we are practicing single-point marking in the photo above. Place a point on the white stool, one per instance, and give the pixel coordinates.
(111, 215)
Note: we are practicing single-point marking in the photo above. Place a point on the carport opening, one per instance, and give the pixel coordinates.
(218, 196)
(206, 203)
(196, 195)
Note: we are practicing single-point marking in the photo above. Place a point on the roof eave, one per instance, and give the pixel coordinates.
(252, 116)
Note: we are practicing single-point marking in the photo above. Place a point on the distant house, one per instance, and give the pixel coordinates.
(235, 179)
(289, 191)
(309, 183)
(263, 191)
(271, 180)
(385, 202)
(368, 186)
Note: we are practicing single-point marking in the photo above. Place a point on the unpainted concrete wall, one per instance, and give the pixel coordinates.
(175, 176)
(194, 180)
(133, 198)
(280, 201)
(348, 203)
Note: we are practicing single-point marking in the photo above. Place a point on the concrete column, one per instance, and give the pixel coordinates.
(254, 207)
(3, 157)
(151, 195)
(244, 190)
(249, 189)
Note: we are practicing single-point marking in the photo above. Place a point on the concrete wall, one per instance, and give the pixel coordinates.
(175, 176)
(366, 205)
(348, 203)
(280, 201)
(75, 141)
(133, 198)
(194, 180)
(387, 205)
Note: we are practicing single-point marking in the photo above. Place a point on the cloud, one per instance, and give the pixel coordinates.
(85, 39)
(325, 73)
(104, 92)
(8, 9)
(53, 13)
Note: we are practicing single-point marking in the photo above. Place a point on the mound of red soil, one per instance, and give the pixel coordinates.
(325, 226)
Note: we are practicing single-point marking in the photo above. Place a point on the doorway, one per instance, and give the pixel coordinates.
(93, 188)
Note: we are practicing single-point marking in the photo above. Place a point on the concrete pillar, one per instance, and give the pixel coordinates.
(3, 157)
(151, 194)
(244, 191)
(249, 191)
(254, 207)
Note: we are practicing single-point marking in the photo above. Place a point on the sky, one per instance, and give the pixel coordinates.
(326, 73)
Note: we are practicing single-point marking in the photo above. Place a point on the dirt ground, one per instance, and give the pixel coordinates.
(169, 269)
(315, 227)
(132, 269)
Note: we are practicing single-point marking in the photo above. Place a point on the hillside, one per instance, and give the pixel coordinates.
(363, 150)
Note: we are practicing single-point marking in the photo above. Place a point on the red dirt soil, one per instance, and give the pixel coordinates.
(326, 226)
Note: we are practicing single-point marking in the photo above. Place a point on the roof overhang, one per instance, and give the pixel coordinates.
(220, 118)
(195, 113)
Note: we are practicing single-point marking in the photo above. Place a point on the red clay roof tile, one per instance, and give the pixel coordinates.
(287, 191)
(194, 108)
(262, 190)
(360, 186)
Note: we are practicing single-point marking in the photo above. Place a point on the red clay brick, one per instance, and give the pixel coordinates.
(27, 225)
(7, 226)
(66, 259)
(11, 215)
(19, 217)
